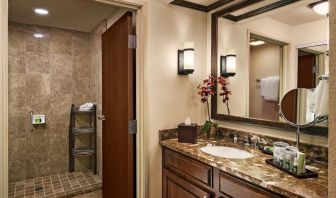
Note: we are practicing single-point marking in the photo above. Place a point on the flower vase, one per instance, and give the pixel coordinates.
(210, 129)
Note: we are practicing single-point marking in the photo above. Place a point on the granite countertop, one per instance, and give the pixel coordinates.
(256, 170)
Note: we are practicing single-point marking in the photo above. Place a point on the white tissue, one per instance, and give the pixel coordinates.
(187, 121)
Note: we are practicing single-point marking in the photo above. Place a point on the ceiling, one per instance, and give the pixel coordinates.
(291, 12)
(319, 48)
(297, 16)
(80, 15)
(203, 2)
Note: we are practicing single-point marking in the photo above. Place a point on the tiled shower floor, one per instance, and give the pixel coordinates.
(59, 185)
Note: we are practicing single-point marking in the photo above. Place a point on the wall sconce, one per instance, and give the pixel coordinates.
(228, 65)
(186, 59)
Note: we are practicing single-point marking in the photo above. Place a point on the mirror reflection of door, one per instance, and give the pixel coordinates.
(313, 62)
(306, 69)
(289, 106)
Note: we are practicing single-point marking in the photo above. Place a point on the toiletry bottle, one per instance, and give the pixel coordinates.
(301, 162)
(235, 139)
(287, 161)
(281, 160)
(295, 164)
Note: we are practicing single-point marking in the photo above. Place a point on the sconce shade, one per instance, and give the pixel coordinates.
(186, 59)
(228, 65)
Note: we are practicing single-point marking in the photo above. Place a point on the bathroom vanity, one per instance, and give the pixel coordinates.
(189, 172)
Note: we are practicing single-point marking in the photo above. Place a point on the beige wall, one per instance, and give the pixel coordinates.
(332, 103)
(264, 62)
(3, 99)
(170, 98)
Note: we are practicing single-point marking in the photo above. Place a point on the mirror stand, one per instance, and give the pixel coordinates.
(298, 133)
(298, 126)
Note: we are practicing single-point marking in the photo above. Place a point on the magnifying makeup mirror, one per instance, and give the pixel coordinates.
(303, 108)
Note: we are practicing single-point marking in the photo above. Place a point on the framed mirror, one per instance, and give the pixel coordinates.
(266, 49)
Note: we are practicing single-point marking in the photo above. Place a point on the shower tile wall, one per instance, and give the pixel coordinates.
(46, 76)
(96, 47)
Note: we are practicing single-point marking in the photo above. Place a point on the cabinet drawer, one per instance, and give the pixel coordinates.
(181, 164)
(176, 187)
(236, 188)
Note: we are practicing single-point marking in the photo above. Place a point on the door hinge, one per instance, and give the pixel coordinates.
(131, 41)
(132, 126)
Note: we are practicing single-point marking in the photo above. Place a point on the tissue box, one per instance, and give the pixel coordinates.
(187, 133)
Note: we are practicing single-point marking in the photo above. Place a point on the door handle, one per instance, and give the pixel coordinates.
(101, 117)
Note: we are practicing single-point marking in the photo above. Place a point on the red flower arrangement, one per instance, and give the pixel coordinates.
(224, 91)
(206, 90)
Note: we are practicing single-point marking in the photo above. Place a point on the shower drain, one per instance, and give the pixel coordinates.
(38, 188)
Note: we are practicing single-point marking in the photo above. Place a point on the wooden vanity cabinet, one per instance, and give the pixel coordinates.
(184, 177)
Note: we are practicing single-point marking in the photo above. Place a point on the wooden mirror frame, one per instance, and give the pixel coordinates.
(226, 13)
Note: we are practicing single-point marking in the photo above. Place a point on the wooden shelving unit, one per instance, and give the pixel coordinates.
(89, 130)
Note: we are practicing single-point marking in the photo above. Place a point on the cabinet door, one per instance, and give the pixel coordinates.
(176, 187)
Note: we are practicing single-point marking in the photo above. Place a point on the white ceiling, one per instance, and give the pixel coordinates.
(253, 7)
(293, 14)
(203, 2)
(319, 48)
(80, 15)
(297, 16)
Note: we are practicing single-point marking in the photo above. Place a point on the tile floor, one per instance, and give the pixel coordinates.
(57, 186)
(96, 194)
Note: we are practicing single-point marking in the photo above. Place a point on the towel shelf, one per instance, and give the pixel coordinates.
(87, 130)
(83, 152)
(90, 130)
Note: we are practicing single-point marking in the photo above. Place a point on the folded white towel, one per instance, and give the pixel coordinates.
(270, 88)
(314, 100)
(324, 100)
(311, 101)
(86, 106)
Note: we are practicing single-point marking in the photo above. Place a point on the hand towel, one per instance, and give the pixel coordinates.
(270, 88)
(324, 100)
(86, 106)
(316, 98)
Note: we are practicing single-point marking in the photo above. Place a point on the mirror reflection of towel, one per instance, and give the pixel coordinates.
(315, 98)
(324, 103)
(318, 102)
(270, 88)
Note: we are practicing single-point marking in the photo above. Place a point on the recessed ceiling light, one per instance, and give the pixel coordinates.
(41, 11)
(255, 43)
(38, 35)
(321, 7)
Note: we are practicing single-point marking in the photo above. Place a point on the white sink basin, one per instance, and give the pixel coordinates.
(226, 152)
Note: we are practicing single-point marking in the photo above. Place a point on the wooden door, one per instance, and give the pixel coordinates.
(306, 74)
(118, 109)
(289, 106)
(177, 187)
